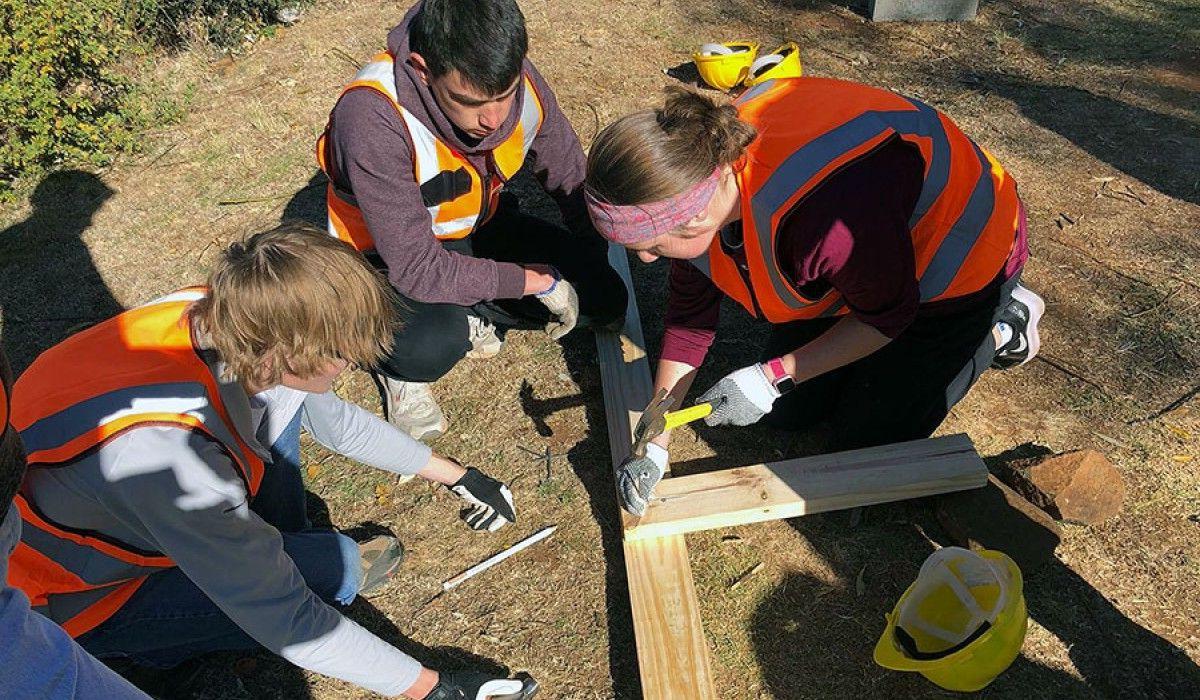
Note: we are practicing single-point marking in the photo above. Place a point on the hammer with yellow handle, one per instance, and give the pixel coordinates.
(656, 420)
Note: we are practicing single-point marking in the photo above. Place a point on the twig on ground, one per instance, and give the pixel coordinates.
(1158, 305)
(1177, 403)
(747, 574)
(345, 56)
(1113, 441)
(1058, 365)
(159, 157)
(596, 114)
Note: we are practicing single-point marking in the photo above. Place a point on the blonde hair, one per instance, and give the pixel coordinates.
(655, 154)
(293, 299)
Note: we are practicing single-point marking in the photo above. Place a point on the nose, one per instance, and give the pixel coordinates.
(492, 115)
(646, 256)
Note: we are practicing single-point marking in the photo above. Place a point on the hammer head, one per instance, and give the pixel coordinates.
(652, 423)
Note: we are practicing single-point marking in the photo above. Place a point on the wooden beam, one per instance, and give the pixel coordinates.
(811, 485)
(672, 653)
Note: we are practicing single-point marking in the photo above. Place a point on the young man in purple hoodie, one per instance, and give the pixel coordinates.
(418, 150)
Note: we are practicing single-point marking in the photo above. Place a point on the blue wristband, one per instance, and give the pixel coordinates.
(553, 285)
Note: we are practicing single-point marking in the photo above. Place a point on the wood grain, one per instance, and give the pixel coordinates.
(673, 659)
(795, 487)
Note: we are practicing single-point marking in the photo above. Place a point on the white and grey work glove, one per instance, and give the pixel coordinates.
(637, 477)
(740, 398)
(491, 503)
(563, 303)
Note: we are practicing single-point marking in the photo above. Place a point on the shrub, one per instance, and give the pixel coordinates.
(61, 96)
(224, 23)
(66, 92)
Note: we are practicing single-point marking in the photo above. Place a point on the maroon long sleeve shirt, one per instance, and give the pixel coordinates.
(372, 159)
(850, 234)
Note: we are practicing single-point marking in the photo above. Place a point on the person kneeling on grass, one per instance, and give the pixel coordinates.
(883, 245)
(164, 511)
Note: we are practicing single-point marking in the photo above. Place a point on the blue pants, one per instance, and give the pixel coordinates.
(169, 620)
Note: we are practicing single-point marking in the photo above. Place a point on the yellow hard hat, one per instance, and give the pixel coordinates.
(783, 62)
(960, 623)
(725, 65)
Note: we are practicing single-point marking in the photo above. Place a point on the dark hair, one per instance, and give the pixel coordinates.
(651, 155)
(484, 40)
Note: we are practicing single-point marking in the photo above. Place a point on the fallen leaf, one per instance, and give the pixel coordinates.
(1179, 432)
(860, 586)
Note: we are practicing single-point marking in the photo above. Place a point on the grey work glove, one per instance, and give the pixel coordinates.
(491, 503)
(637, 477)
(563, 303)
(740, 398)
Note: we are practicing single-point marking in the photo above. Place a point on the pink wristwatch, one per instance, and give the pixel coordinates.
(778, 376)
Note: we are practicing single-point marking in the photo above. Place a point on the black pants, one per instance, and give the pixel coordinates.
(901, 392)
(434, 337)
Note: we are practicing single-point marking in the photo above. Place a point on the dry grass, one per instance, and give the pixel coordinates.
(1061, 93)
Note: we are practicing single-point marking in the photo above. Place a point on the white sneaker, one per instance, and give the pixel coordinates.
(410, 406)
(484, 341)
(1016, 332)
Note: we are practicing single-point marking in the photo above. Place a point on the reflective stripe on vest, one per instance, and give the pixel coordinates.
(964, 223)
(139, 368)
(456, 196)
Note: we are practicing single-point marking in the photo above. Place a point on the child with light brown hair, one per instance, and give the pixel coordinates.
(164, 511)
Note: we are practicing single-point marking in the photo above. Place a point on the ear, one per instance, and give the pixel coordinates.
(417, 61)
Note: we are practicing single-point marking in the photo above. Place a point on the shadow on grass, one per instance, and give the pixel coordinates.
(49, 285)
(1160, 150)
(826, 634)
(308, 203)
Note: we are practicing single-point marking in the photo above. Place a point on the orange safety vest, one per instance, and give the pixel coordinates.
(136, 369)
(458, 197)
(964, 224)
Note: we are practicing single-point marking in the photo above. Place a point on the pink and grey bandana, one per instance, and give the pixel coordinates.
(634, 223)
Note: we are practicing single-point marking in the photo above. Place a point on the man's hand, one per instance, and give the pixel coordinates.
(563, 303)
(637, 477)
(740, 398)
(491, 502)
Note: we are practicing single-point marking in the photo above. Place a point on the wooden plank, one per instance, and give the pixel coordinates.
(811, 485)
(672, 653)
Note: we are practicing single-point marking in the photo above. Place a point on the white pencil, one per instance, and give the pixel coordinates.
(499, 557)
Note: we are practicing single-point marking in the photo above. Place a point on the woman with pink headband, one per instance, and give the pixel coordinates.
(882, 244)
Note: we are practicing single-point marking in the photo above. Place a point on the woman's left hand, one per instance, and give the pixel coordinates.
(740, 398)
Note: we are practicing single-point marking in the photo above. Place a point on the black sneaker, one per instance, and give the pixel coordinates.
(1021, 315)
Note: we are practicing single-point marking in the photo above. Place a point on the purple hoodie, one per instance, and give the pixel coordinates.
(372, 159)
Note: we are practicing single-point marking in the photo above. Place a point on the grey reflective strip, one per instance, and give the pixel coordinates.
(174, 397)
(798, 169)
(702, 264)
(802, 165)
(61, 607)
(834, 308)
(957, 245)
(88, 563)
(939, 162)
(62, 427)
(754, 92)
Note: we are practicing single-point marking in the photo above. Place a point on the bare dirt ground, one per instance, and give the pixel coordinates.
(1092, 105)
